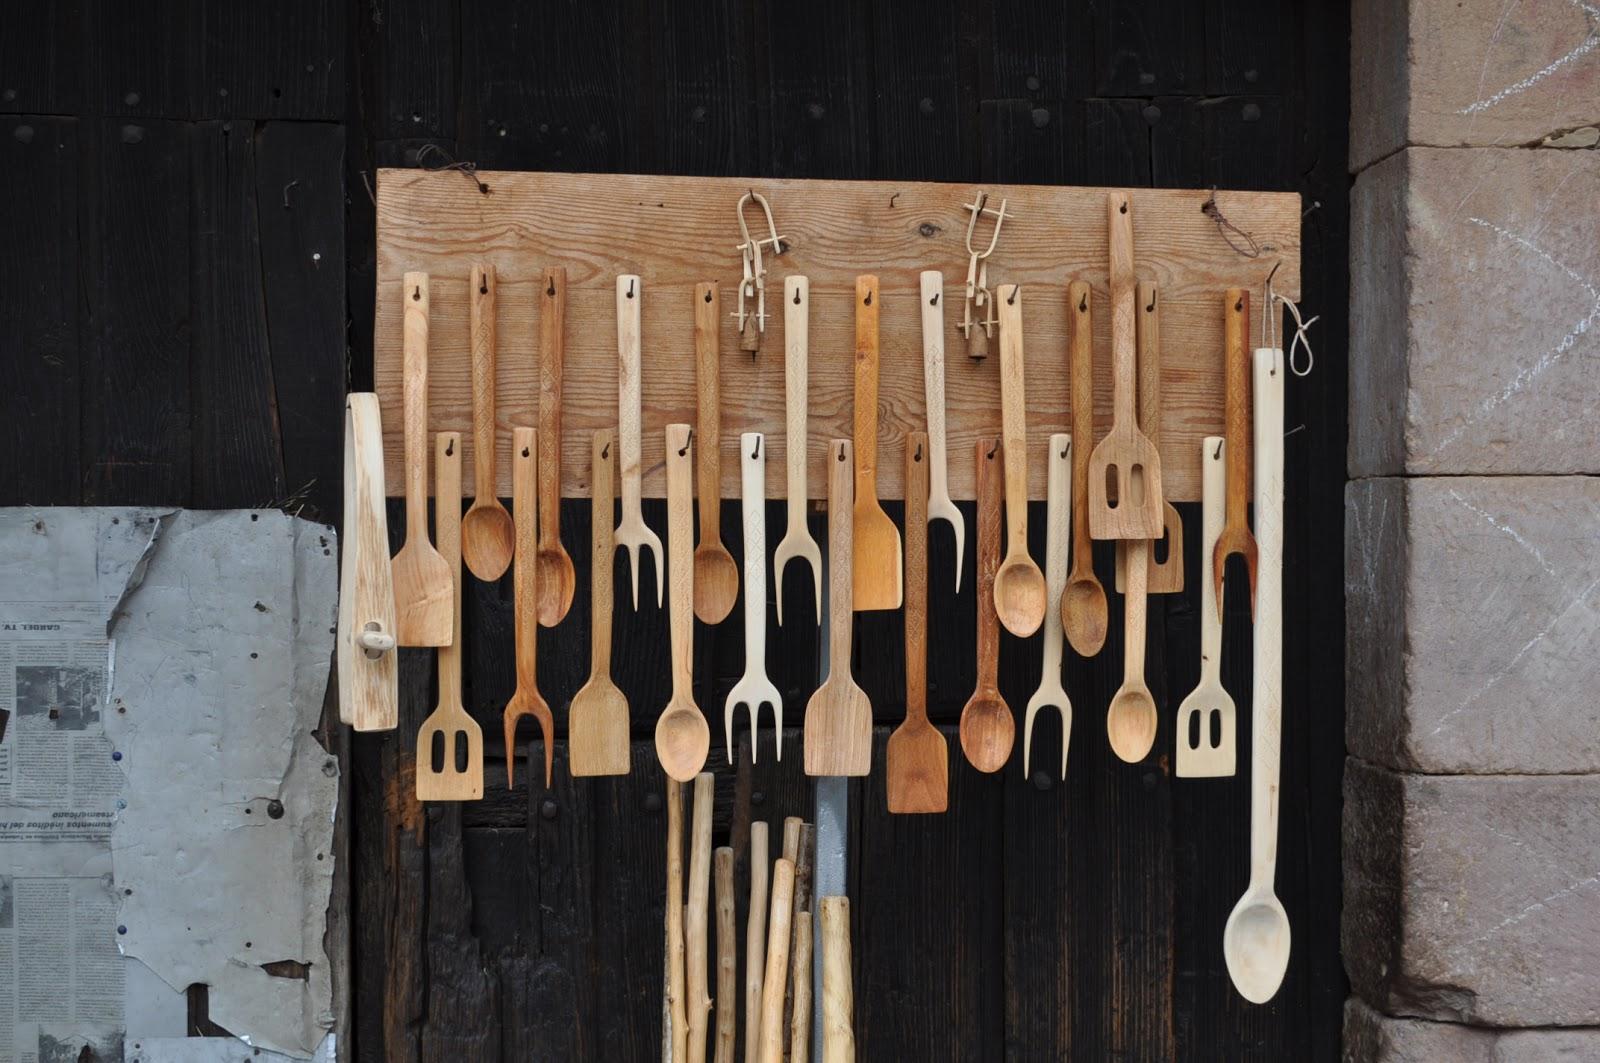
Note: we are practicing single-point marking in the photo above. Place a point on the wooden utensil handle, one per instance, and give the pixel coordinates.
(1080, 386)
(796, 338)
(1057, 517)
(1267, 676)
(986, 459)
(415, 296)
(1149, 317)
(918, 458)
(524, 577)
(447, 511)
(753, 510)
(1236, 401)
(1134, 607)
(933, 379)
(1013, 418)
(866, 398)
(708, 417)
(481, 298)
(1119, 213)
(630, 297)
(680, 556)
(603, 457)
(553, 344)
(841, 611)
(1213, 454)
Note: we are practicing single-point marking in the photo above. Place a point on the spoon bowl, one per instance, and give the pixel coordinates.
(987, 731)
(1255, 944)
(1084, 614)
(557, 583)
(1020, 595)
(1131, 723)
(716, 582)
(683, 740)
(487, 539)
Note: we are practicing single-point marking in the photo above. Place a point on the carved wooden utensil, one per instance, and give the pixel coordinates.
(716, 575)
(987, 728)
(1058, 516)
(423, 585)
(526, 700)
(940, 507)
(683, 738)
(797, 540)
(1083, 605)
(838, 731)
(1236, 537)
(487, 535)
(597, 722)
(448, 730)
(1166, 576)
(918, 757)
(1198, 756)
(557, 580)
(1019, 587)
(754, 689)
(877, 540)
(1125, 464)
(632, 532)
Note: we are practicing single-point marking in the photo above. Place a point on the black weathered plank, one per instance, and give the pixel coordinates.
(703, 109)
(409, 58)
(281, 60)
(41, 57)
(919, 128)
(1039, 51)
(1149, 48)
(819, 77)
(1251, 47)
(136, 58)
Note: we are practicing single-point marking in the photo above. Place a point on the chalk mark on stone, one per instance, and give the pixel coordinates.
(1589, 43)
(1539, 905)
(1511, 533)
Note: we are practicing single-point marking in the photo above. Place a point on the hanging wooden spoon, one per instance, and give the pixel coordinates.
(940, 507)
(1131, 719)
(987, 728)
(526, 701)
(487, 535)
(423, 585)
(716, 576)
(557, 580)
(1020, 596)
(1083, 606)
(683, 738)
(597, 722)
(877, 540)
(838, 731)
(1236, 537)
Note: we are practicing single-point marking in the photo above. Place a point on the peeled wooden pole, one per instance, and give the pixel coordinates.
(801, 908)
(838, 1033)
(727, 999)
(675, 970)
(698, 1001)
(771, 1047)
(755, 940)
(800, 1017)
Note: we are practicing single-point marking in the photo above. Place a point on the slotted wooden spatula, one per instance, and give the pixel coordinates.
(422, 580)
(1209, 708)
(526, 701)
(597, 722)
(838, 731)
(449, 742)
(877, 540)
(918, 756)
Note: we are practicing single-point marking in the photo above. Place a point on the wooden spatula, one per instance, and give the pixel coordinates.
(877, 540)
(1125, 468)
(1166, 575)
(526, 700)
(754, 689)
(487, 535)
(1058, 517)
(422, 580)
(557, 580)
(1209, 708)
(797, 541)
(450, 742)
(987, 728)
(368, 674)
(940, 507)
(683, 738)
(838, 732)
(1019, 587)
(918, 756)
(1236, 537)
(632, 532)
(1083, 604)
(597, 722)
(716, 576)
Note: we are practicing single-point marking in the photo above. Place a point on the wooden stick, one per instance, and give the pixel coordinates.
(727, 1000)
(802, 904)
(755, 940)
(698, 1000)
(838, 1035)
(675, 969)
(791, 838)
(800, 1020)
(777, 963)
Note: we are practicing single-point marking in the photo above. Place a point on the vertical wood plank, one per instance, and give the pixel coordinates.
(917, 123)
(1149, 48)
(412, 52)
(820, 89)
(41, 58)
(702, 106)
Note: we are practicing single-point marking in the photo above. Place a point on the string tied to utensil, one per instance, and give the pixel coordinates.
(1300, 341)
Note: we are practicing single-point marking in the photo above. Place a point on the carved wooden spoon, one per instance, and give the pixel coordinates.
(487, 534)
(683, 738)
(1083, 606)
(1131, 719)
(987, 728)
(716, 575)
(1020, 596)
(557, 580)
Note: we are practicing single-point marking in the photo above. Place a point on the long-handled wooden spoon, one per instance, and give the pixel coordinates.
(597, 722)
(1131, 719)
(1209, 701)
(1255, 941)
(987, 728)
(716, 576)
(754, 689)
(877, 540)
(940, 507)
(1125, 464)
(632, 532)
(1019, 587)
(1058, 516)
(1166, 574)
(918, 757)
(526, 701)
(1236, 537)
(838, 731)
(487, 535)
(1083, 606)
(797, 540)
(557, 580)
(683, 738)
(423, 585)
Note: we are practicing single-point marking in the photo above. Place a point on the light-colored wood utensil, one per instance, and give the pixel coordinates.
(755, 939)
(632, 532)
(1084, 612)
(457, 774)
(677, 990)
(877, 541)
(1209, 708)
(754, 689)
(838, 730)
(1019, 587)
(369, 676)
(987, 728)
(526, 701)
(557, 580)
(487, 535)
(683, 738)
(797, 540)
(597, 721)
(422, 581)
(940, 507)
(696, 927)
(727, 957)
(917, 779)
(716, 575)
(1236, 537)
(772, 988)
(1058, 518)
(838, 993)
(1131, 719)
(1256, 940)
(1166, 575)
(1125, 469)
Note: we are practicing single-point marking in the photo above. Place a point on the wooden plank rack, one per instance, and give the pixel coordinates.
(675, 232)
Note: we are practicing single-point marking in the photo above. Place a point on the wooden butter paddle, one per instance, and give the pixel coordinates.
(487, 535)
(683, 738)
(557, 580)
(838, 731)
(597, 722)
(526, 700)
(877, 541)
(716, 576)
(988, 730)
(422, 581)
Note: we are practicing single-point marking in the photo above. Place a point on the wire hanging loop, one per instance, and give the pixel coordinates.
(1269, 329)
(978, 294)
(753, 283)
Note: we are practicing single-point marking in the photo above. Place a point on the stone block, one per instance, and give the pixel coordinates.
(1475, 313)
(1372, 1037)
(1473, 899)
(1452, 73)
(1472, 623)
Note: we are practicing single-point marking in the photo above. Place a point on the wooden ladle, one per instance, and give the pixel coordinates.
(1083, 605)
(557, 580)
(424, 587)
(683, 738)
(1020, 595)
(988, 730)
(526, 700)
(716, 575)
(487, 534)
(1131, 719)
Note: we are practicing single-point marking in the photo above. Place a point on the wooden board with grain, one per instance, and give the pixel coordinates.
(678, 231)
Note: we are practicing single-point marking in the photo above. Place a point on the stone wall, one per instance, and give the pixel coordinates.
(1472, 816)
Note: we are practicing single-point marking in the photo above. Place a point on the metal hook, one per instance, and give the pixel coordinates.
(756, 453)
(688, 441)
